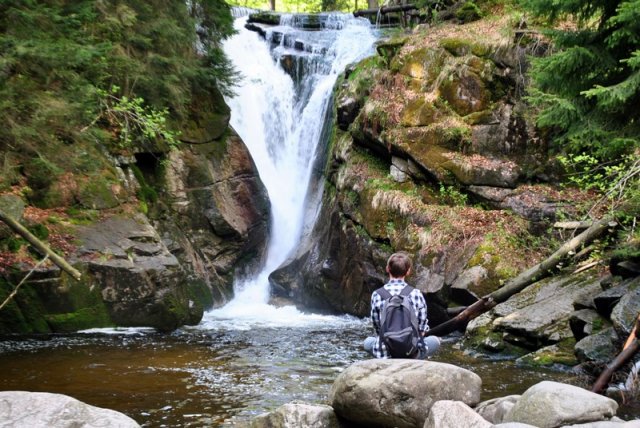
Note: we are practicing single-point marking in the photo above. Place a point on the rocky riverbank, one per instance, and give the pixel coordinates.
(416, 394)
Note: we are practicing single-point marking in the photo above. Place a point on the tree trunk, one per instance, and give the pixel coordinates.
(272, 4)
(630, 348)
(522, 281)
(39, 245)
(384, 9)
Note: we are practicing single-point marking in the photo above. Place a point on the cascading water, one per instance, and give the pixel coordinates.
(281, 117)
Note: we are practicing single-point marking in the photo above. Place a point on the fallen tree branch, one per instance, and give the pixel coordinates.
(39, 245)
(619, 361)
(15, 290)
(385, 9)
(572, 224)
(522, 281)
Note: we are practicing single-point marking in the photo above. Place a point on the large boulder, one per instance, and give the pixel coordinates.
(539, 315)
(454, 414)
(297, 414)
(552, 404)
(494, 410)
(21, 409)
(399, 393)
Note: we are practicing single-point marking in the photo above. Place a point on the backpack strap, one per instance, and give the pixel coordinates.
(383, 293)
(406, 290)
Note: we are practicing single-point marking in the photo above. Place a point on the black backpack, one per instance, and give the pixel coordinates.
(399, 329)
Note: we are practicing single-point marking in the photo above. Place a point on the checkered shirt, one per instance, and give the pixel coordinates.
(394, 287)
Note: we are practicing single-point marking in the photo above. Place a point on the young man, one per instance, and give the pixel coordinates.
(398, 267)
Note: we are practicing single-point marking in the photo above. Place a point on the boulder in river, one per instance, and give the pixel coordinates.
(454, 414)
(400, 392)
(298, 414)
(552, 404)
(20, 409)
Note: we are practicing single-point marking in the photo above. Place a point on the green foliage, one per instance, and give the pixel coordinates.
(588, 89)
(587, 172)
(451, 195)
(135, 121)
(468, 12)
(58, 55)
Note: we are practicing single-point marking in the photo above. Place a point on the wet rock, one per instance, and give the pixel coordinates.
(297, 414)
(599, 347)
(347, 110)
(494, 410)
(552, 404)
(626, 311)
(541, 312)
(399, 392)
(454, 414)
(608, 299)
(607, 424)
(42, 409)
(140, 282)
(463, 289)
(582, 323)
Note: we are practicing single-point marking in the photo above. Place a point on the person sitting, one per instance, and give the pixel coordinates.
(398, 267)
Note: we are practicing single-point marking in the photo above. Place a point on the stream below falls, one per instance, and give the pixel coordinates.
(211, 375)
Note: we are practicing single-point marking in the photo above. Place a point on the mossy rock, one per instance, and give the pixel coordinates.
(82, 319)
(462, 47)
(425, 64)
(468, 12)
(561, 353)
(419, 112)
(388, 48)
(208, 119)
(98, 193)
(24, 314)
(268, 18)
(466, 92)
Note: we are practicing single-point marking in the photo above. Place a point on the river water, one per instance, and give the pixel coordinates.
(247, 357)
(219, 377)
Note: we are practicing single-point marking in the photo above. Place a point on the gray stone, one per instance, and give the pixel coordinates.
(624, 314)
(12, 205)
(581, 322)
(552, 404)
(463, 289)
(599, 347)
(495, 409)
(400, 392)
(454, 414)
(513, 425)
(21, 409)
(541, 313)
(607, 300)
(607, 424)
(298, 414)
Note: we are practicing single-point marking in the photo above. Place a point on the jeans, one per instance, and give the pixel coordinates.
(432, 344)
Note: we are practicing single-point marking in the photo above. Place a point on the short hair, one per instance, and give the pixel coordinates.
(399, 264)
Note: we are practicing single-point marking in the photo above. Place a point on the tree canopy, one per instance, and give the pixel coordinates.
(588, 88)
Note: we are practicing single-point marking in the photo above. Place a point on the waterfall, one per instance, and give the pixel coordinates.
(280, 117)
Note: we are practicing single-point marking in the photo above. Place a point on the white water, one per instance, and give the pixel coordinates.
(281, 123)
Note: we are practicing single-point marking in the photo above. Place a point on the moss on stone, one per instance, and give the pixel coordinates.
(468, 12)
(387, 49)
(81, 319)
(97, 192)
(425, 64)
(561, 353)
(461, 47)
(269, 18)
(24, 313)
